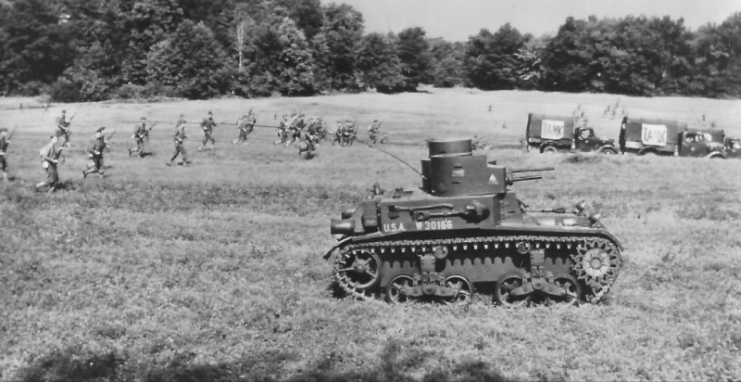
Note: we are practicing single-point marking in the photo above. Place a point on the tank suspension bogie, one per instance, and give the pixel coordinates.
(557, 270)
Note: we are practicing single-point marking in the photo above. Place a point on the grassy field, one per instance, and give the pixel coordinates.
(214, 271)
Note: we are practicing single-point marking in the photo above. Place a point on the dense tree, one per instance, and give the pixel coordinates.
(343, 31)
(294, 64)
(188, 63)
(446, 63)
(379, 65)
(96, 49)
(37, 45)
(490, 62)
(413, 51)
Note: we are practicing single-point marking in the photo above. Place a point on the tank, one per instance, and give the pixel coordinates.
(465, 231)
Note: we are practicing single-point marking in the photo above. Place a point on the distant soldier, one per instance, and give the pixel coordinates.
(295, 125)
(348, 134)
(245, 124)
(63, 127)
(373, 130)
(179, 138)
(4, 142)
(95, 148)
(338, 132)
(283, 133)
(208, 125)
(50, 155)
(141, 137)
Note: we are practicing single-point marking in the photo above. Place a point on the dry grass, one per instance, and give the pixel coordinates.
(214, 272)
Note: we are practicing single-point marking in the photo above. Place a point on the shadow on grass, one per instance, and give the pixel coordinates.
(392, 363)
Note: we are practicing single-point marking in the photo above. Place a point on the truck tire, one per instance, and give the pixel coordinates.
(608, 151)
(549, 150)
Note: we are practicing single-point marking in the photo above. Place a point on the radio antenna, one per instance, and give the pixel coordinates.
(393, 156)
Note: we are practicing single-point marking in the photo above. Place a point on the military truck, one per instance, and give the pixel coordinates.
(650, 137)
(551, 134)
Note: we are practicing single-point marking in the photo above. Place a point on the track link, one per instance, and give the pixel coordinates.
(598, 284)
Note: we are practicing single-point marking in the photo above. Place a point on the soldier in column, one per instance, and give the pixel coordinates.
(63, 127)
(140, 137)
(4, 142)
(208, 125)
(283, 133)
(50, 160)
(179, 138)
(373, 129)
(245, 124)
(96, 146)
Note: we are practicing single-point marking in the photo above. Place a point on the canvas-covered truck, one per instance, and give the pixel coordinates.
(657, 137)
(550, 134)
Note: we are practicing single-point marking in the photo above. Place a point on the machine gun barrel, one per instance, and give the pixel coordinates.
(526, 178)
(519, 170)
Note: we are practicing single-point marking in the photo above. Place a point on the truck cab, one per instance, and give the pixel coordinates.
(587, 141)
(732, 147)
(694, 144)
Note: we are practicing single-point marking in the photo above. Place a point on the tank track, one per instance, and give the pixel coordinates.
(598, 286)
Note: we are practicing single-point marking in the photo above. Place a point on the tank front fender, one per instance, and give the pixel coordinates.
(342, 243)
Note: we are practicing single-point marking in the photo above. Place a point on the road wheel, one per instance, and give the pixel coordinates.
(609, 151)
(505, 286)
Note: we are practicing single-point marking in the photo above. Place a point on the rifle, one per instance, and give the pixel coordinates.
(12, 132)
(72, 117)
(149, 129)
(111, 136)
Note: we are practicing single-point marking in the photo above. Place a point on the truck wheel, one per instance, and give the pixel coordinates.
(647, 153)
(549, 150)
(609, 151)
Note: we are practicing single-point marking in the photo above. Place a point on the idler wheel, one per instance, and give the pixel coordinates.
(503, 294)
(462, 288)
(596, 262)
(572, 288)
(394, 289)
(359, 270)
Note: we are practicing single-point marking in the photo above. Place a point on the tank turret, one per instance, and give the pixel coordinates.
(464, 229)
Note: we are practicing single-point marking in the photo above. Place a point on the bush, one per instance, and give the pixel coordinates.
(129, 91)
(32, 89)
(64, 90)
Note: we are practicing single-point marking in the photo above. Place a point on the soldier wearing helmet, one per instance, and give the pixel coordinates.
(208, 125)
(96, 146)
(179, 138)
(50, 155)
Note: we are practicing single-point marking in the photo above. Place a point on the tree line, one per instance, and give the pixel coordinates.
(92, 50)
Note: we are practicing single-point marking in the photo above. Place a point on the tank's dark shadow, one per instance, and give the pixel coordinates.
(69, 366)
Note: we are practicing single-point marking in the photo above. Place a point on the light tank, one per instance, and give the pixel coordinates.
(465, 230)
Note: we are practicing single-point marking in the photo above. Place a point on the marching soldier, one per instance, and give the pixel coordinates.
(179, 138)
(63, 127)
(95, 149)
(141, 137)
(50, 155)
(373, 129)
(245, 124)
(4, 142)
(208, 125)
(295, 125)
(283, 133)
